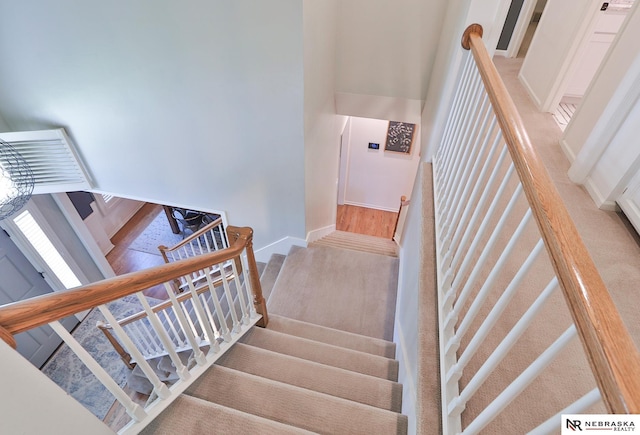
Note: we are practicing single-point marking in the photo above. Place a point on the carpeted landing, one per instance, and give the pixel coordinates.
(295, 376)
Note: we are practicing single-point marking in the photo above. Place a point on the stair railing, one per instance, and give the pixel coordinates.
(210, 238)
(400, 218)
(202, 325)
(490, 187)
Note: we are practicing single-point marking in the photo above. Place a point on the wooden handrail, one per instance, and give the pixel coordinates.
(403, 203)
(193, 236)
(34, 312)
(166, 304)
(614, 358)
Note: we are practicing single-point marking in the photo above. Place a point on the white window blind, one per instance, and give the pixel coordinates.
(53, 159)
(45, 248)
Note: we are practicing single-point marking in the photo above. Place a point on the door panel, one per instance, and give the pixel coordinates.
(20, 280)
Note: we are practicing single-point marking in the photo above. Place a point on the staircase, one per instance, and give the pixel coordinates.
(359, 242)
(293, 377)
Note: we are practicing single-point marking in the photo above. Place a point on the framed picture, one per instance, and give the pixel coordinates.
(400, 137)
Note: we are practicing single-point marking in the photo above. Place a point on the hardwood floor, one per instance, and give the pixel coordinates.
(361, 220)
(124, 260)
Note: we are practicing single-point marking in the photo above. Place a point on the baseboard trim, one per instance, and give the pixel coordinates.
(598, 198)
(375, 207)
(408, 380)
(533, 96)
(567, 151)
(314, 235)
(282, 247)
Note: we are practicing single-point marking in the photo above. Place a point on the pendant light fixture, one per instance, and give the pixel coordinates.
(16, 181)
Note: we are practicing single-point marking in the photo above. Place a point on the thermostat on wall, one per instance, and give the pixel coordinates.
(374, 146)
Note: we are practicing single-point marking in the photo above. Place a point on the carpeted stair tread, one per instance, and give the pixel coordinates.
(191, 415)
(337, 382)
(359, 242)
(323, 353)
(292, 405)
(349, 340)
(270, 274)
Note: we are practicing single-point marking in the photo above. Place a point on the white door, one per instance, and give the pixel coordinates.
(20, 280)
(629, 202)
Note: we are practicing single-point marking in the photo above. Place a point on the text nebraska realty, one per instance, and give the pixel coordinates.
(616, 426)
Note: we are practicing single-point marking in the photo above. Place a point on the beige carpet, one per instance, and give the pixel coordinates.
(274, 382)
(342, 289)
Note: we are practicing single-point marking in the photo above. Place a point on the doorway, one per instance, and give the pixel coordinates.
(372, 180)
(21, 280)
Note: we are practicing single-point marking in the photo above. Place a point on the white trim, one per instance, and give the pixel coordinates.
(577, 48)
(34, 257)
(601, 201)
(408, 381)
(568, 152)
(85, 236)
(375, 207)
(314, 235)
(609, 123)
(527, 87)
(502, 53)
(522, 25)
(282, 246)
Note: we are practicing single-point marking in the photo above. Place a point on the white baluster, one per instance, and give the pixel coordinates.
(486, 286)
(469, 100)
(494, 314)
(465, 200)
(181, 370)
(452, 170)
(581, 405)
(137, 340)
(465, 165)
(458, 404)
(224, 329)
(521, 382)
(241, 299)
(133, 409)
(443, 153)
(469, 223)
(210, 318)
(183, 323)
(454, 112)
(232, 308)
(177, 339)
(160, 389)
(146, 343)
(202, 318)
(484, 253)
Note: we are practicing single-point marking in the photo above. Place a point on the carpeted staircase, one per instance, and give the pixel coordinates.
(293, 377)
(358, 242)
(290, 378)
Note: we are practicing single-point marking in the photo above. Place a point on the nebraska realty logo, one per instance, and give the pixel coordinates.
(599, 423)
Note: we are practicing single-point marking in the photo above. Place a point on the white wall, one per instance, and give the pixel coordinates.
(196, 104)
(385, 53)
(554, 49)
(377, 178)
(3, 125)
(107, 219)
(32, 403)
(321, 125)
(600, 140)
